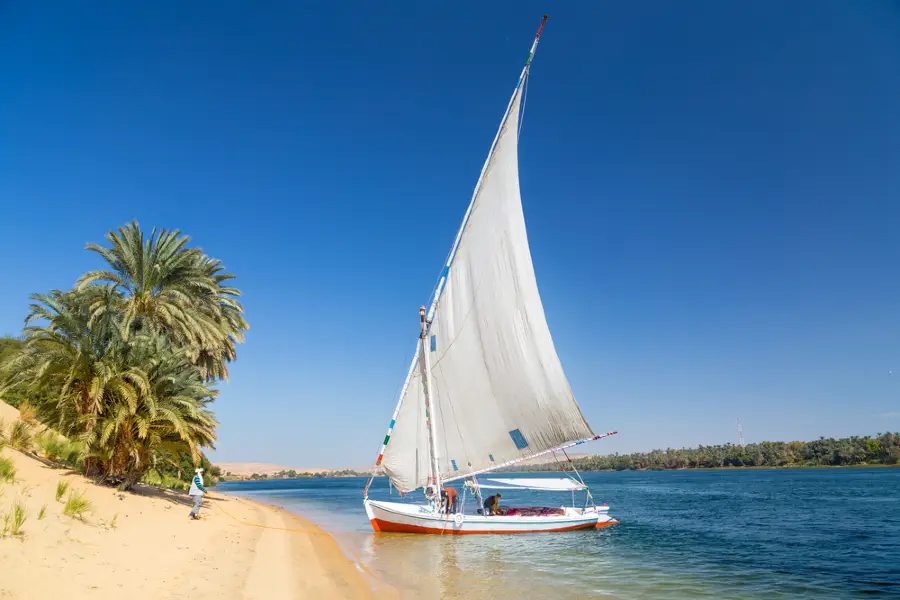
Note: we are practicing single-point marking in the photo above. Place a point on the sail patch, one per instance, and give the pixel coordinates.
(518, 439)
(433, 343)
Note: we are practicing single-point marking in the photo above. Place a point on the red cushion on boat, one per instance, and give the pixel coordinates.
(535, 511)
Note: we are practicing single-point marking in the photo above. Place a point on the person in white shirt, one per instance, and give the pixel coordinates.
(196, 492)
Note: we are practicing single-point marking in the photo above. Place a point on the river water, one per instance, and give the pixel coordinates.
(789, 533)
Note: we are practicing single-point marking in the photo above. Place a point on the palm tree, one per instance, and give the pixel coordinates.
(66, 363)
(170, 416)
(126, 399)
(213, 355)
(158, 284)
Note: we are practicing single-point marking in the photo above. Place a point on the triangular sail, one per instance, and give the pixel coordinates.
(498, 387)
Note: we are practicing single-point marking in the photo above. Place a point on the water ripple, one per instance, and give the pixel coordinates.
(684, 534)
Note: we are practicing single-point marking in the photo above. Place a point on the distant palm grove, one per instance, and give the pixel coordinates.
(122, 367)
(883, 449)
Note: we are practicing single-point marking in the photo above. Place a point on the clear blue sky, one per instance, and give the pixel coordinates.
(712, 191)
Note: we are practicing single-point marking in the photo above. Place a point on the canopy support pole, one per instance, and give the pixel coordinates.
(574, 468)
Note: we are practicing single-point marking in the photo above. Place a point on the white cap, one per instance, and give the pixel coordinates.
(198, 470)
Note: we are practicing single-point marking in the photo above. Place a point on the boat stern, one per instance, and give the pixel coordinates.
(603, 518)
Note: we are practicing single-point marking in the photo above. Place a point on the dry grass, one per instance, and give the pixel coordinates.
(20, 435)
(7, 470)
(14, 520)
(77, 505)
(42, 512)
(26, 414)
(61, 488)
(17, 518)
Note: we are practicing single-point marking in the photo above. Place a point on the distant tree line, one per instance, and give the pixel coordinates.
(882, 449)
(292, 474)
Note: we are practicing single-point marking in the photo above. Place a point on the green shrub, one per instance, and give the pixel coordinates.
(61, 488)
(50, 445)
(76, 505)
(152, 478)
(20, 435)
(42, 512)
(72, 453)
(7, 470)
(165, 481)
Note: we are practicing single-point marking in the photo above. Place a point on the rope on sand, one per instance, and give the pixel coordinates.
(356, 559)
(261, 526)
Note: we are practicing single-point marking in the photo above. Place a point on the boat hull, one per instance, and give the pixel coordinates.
(395, 517)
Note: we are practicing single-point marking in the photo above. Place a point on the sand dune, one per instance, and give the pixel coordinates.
(143, 545)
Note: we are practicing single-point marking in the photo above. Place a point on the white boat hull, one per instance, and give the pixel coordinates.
(397, 517)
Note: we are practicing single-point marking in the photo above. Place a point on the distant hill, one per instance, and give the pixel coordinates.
(245, 469)
(253, 470)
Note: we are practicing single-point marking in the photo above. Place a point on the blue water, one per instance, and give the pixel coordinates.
(683, 534)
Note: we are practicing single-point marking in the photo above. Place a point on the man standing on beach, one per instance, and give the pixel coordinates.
(196, 492)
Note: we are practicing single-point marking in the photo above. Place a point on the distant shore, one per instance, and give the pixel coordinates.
(773, 468)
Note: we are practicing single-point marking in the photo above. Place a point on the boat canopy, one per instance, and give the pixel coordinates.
(564, 484)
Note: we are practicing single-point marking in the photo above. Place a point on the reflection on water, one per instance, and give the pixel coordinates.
(686, 534)
(480, 566)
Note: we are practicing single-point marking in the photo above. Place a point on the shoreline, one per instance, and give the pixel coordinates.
(775, 468)
(329, 545)
(143, 545)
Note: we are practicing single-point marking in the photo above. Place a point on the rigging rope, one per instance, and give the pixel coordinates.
(356, 559)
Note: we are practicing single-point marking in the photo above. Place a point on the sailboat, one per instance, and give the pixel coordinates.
(485, 389)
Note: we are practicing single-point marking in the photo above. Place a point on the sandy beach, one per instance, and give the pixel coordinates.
(142, 545)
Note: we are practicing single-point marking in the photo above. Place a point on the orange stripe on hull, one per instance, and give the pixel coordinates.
(387, 526)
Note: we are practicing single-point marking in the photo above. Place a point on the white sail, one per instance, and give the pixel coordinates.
(498, 387)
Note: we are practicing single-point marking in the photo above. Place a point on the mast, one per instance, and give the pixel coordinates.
(429, 406)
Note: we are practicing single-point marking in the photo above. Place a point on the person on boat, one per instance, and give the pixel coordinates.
(196, 493)
(492, 504)
(449, 500)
